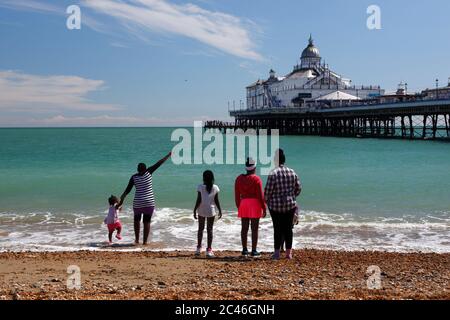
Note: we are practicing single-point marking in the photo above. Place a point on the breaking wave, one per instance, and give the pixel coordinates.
(175, 229)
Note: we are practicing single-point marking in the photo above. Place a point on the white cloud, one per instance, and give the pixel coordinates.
(41, 7)
(250, 68)
(99, 121)
(222, 31)
(103, 120)
(29, 5)
(118, 45)
(35, 93)
(219, 30)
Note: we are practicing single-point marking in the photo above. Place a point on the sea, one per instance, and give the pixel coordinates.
(358, 194)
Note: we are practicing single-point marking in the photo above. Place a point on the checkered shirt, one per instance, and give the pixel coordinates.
(282, 188)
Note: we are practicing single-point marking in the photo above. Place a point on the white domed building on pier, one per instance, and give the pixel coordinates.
(310, 81)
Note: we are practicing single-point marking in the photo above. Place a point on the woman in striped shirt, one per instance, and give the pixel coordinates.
(144, 199)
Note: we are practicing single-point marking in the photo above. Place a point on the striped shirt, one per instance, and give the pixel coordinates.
(143, 196)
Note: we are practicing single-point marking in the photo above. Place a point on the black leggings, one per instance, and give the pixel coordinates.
(282, 227)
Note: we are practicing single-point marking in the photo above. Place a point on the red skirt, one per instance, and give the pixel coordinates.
(250, 208)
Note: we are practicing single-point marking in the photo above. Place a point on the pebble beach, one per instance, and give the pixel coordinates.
(312, 274)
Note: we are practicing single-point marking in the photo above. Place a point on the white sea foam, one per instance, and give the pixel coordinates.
(175, 229)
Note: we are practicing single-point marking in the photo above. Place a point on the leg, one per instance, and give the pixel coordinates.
(209, 228)
(110, 234)
(147, 220)
(244, 232)
(201, 227)
(277, 234)
(119, 231)
(288, 233)
(255, 228)
(137, 227)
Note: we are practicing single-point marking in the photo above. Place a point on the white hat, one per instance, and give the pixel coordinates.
(250, 164)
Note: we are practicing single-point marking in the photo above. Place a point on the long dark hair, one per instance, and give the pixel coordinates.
(208, 180)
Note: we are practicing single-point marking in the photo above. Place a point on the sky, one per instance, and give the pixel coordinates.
(169, 62)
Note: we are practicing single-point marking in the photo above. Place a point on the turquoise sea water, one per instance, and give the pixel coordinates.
(358, 193)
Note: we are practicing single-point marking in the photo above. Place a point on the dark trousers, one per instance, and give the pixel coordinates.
(282, 227)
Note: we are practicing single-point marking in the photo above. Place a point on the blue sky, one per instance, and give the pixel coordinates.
(167, 62)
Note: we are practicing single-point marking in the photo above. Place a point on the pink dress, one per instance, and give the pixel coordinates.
(249, 196)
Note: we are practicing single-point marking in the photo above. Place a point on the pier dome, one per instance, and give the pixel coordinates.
(311, 50)
(310, 58)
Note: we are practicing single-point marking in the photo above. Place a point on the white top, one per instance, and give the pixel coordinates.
(112, 216)
(207, 206)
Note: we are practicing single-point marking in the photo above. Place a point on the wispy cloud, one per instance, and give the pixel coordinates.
(30, 5)
(35, 93)
(144, 18)
(219, 30)
(42, 7)
(118, 45)
(103, 120)
(99, 121)
(250, 68)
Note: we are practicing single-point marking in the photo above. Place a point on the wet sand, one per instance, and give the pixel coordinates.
(312, 274)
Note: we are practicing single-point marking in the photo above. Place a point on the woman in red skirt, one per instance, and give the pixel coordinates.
(249, 197)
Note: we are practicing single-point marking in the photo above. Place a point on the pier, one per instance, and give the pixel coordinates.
(315, 100)
(413, 119)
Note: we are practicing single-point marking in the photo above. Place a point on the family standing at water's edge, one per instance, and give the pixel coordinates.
(252, 201)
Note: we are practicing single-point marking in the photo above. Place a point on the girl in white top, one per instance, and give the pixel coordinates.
(207, 201)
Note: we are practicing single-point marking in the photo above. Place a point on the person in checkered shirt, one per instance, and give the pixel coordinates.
(281, 191)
